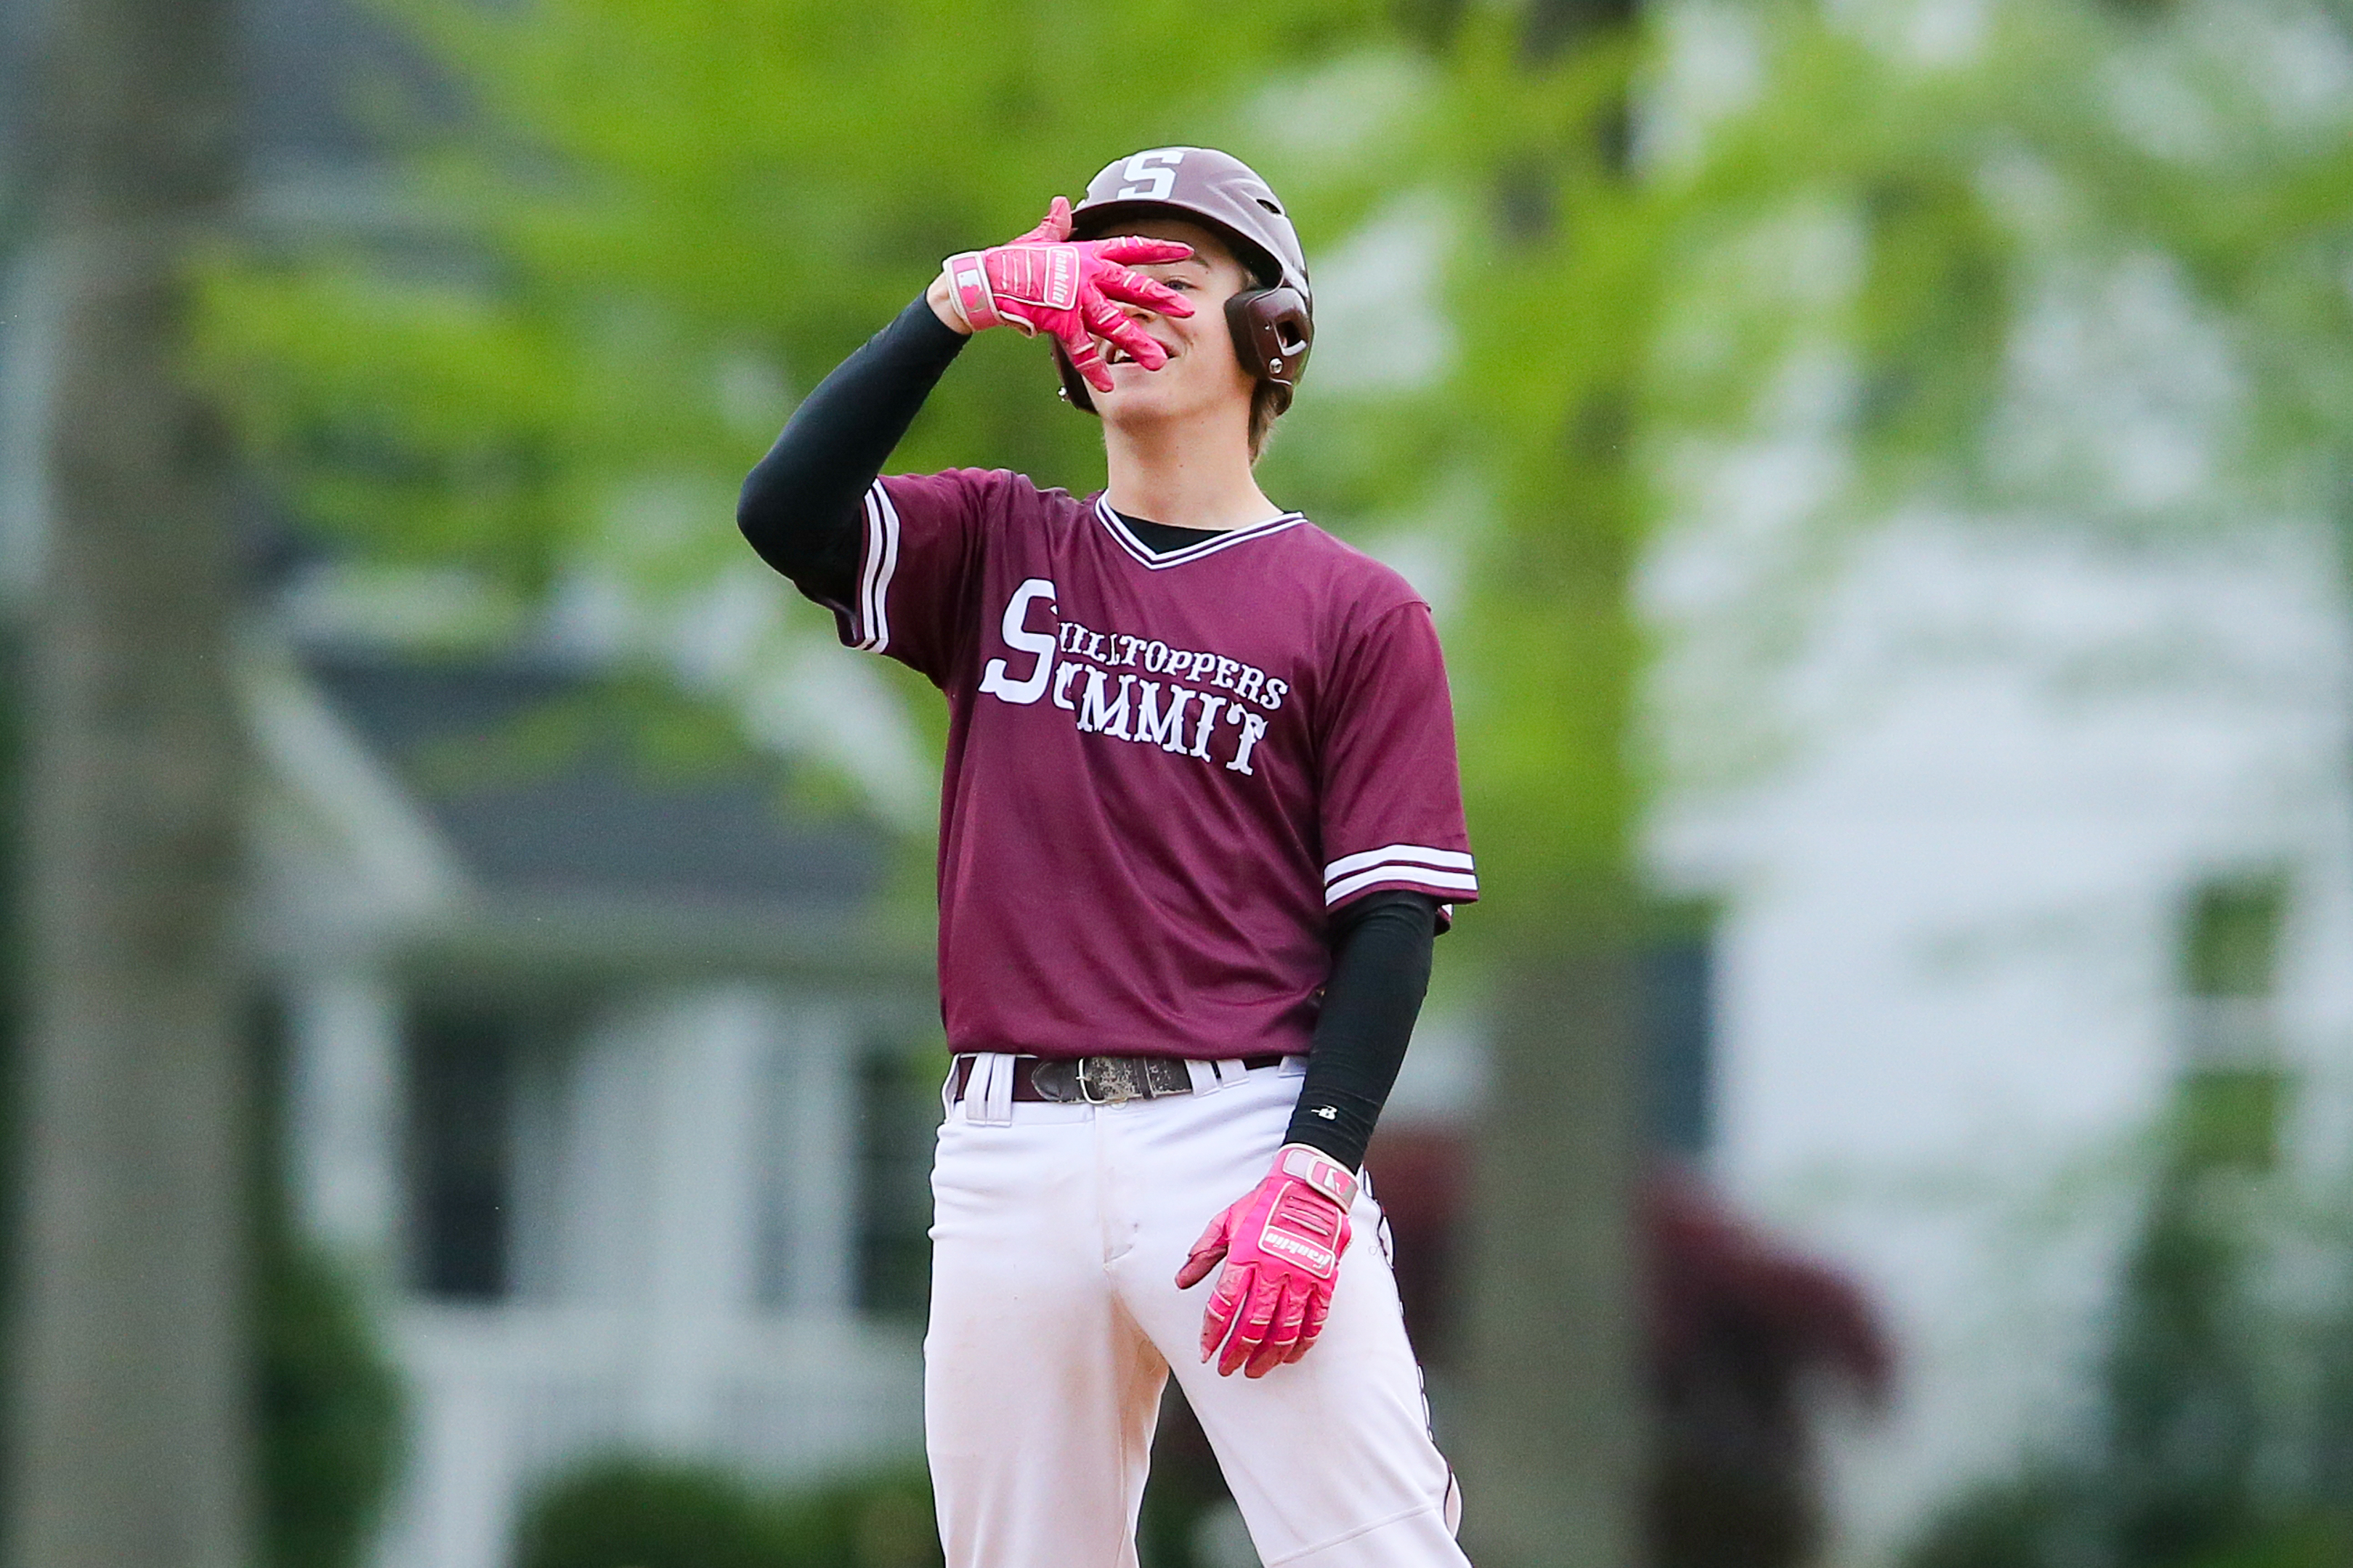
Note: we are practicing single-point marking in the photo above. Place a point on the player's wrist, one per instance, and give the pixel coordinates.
(1320, 1171)
(1339, 1143)
(971, 292)
(941, 297)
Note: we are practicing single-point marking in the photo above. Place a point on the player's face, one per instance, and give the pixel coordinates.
(1202, 376)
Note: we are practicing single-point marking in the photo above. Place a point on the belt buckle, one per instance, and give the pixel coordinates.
(1125, 1082)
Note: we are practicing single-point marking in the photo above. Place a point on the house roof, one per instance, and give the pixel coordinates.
(549, 781)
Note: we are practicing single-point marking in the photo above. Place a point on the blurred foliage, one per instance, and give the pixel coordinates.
(635, 1513)
(627, 1512)
(2071, 135)
(1853, 252)
(2231, 945)
(329, 1414)
(2224, 1429)
(657, 222)
(1555, 297)
(2223, 1434)
(326, 1400)
(2231, 1116)
(1857, 279)
(586, 303)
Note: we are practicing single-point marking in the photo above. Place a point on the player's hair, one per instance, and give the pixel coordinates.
(1266, 402)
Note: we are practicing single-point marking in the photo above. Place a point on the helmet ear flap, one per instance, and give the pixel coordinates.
(1272, 333)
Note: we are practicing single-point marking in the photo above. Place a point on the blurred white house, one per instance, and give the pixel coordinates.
(605, 1066)
(1952, 986)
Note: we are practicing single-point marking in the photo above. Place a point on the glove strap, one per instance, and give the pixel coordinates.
(1319, 1170)
(968, 287)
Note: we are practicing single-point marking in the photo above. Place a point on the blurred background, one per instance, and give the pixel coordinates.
(1880, 469)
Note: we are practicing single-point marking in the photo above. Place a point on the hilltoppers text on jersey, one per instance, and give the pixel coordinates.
(1101, 707)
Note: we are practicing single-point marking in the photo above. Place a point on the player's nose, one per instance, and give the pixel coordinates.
(1150, 319)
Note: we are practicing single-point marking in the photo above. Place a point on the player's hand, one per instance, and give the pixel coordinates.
(1044, 281)
(1282, 1247)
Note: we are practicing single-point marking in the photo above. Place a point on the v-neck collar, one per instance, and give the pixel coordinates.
(1156, 561)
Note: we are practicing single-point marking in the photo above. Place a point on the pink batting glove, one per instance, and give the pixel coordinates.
(1282, 1247)
(1047, 282)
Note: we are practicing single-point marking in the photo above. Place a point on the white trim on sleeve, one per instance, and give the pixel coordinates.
(881, 561)
(1403, 854)
(1422, 876)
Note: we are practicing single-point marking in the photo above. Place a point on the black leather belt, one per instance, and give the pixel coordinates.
(1094, 1080)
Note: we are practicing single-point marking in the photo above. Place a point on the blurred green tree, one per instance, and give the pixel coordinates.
(2223, 1427)
(1855, 249)
(651, 222)
(2224, 1409)
(1555, 290)
(607, 273)
(1914, 257)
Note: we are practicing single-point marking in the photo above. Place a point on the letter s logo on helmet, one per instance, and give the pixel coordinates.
(1146, 181)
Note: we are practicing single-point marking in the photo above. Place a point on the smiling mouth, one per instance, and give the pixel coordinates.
(1114, 354)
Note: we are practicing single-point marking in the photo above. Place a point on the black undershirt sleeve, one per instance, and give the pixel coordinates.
(1380, 970)
(800, 507)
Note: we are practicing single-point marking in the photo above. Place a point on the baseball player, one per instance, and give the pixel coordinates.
(1199, 824)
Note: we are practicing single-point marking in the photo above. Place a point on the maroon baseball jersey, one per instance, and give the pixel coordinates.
(1164, 772)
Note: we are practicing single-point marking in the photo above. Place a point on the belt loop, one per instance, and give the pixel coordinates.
(948, 1085)
(1204, 1076)
(1230, 1070)
(1292, 1067)
(996, 1107)
(975, 1087)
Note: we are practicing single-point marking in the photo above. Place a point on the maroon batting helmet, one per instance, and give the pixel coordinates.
(1273, 324)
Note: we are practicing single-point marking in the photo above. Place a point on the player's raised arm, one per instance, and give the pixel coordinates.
(800, 506)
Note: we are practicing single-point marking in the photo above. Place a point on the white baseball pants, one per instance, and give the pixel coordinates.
(1056, 1236)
